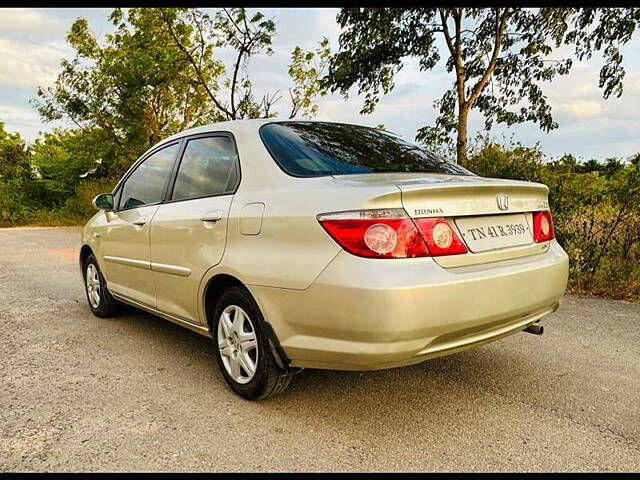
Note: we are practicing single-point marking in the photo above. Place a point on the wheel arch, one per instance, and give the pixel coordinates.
(85, 251)
(214, 289)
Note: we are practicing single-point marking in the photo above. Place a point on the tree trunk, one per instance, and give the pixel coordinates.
(461, 143)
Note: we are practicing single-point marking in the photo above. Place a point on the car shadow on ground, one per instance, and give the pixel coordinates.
(446, 379)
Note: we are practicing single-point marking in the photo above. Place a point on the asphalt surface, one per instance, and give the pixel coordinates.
(139, 393)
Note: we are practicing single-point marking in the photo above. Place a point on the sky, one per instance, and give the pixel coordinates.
(32, 44)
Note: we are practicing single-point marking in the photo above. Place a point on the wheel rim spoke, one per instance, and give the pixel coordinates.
(226, 323)
(246, 363)
(248, 344)
(238, 319)
(235, 368)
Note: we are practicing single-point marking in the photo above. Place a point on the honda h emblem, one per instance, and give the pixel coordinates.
(503, 201)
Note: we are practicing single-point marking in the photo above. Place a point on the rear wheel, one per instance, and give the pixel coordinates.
(101, 303)
(241, 347)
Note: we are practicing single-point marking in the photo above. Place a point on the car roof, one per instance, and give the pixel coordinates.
(241, 129)
(243, 126)
(233, 126)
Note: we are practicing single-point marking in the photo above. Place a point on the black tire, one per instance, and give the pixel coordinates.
(107, 305)
(268, 379)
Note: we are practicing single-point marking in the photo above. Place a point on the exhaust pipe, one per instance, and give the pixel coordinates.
(535, 329)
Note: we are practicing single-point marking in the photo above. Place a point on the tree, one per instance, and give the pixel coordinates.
(136, 86)
(591, 165)
(19, 193)
(14, 155)
(500, 57)
(248, 36)
(590, 30)
(158, 73)
(233, 96)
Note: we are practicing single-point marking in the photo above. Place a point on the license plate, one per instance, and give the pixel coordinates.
(495, 231)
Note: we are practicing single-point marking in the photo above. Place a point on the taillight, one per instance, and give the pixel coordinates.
(440, 237)
(542, 226)
(390, 233)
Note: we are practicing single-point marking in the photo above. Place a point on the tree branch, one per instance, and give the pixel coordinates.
(195, 67)
(501, 25)
(445, 30)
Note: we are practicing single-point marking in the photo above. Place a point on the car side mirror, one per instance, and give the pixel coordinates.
(104, 201)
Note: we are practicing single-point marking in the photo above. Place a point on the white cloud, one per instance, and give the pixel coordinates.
(29, 25)
(25, 116)
(22, 120)
(25, 64)
(581, 108)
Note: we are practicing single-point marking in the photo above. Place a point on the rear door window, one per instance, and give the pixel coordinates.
(208, 167)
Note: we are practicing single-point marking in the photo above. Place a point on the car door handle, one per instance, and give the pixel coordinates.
(212, 216)
(140, 221)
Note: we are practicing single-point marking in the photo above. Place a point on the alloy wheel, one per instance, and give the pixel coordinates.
(238, 344)
(93, 285)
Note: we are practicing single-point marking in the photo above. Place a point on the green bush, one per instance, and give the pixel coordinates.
(78, 208)
(26, 202)
(15, 208)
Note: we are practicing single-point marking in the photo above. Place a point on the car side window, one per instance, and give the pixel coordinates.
(208, 167)
(146, 185)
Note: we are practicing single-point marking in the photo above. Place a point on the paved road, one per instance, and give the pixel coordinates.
(139, 393)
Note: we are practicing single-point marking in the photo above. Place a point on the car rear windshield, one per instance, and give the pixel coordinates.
(313, 149)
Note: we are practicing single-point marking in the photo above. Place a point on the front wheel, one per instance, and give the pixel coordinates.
(241, 347)
(101, 302)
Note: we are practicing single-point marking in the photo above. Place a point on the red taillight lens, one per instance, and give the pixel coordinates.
(391, 233)
(375, 233)
(542, 226)
(440, 237)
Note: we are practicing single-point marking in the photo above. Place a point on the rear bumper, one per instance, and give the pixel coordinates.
(363, 314)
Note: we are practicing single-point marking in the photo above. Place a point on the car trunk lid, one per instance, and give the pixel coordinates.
(475, 207)
(492, 216)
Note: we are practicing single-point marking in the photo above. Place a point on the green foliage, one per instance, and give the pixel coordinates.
(137, 87)
(501, 48)
(20, 196)
(499, 59)
(229, 90)
(24, 202)
(63, 158)
(14, 157)
(77, 208)
(232, 92)
(596, 212)
(155, 75)
(48, 182)
(305, 70)
(590, 30)
(18, 201)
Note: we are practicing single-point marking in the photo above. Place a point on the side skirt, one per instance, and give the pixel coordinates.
(178, 321)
